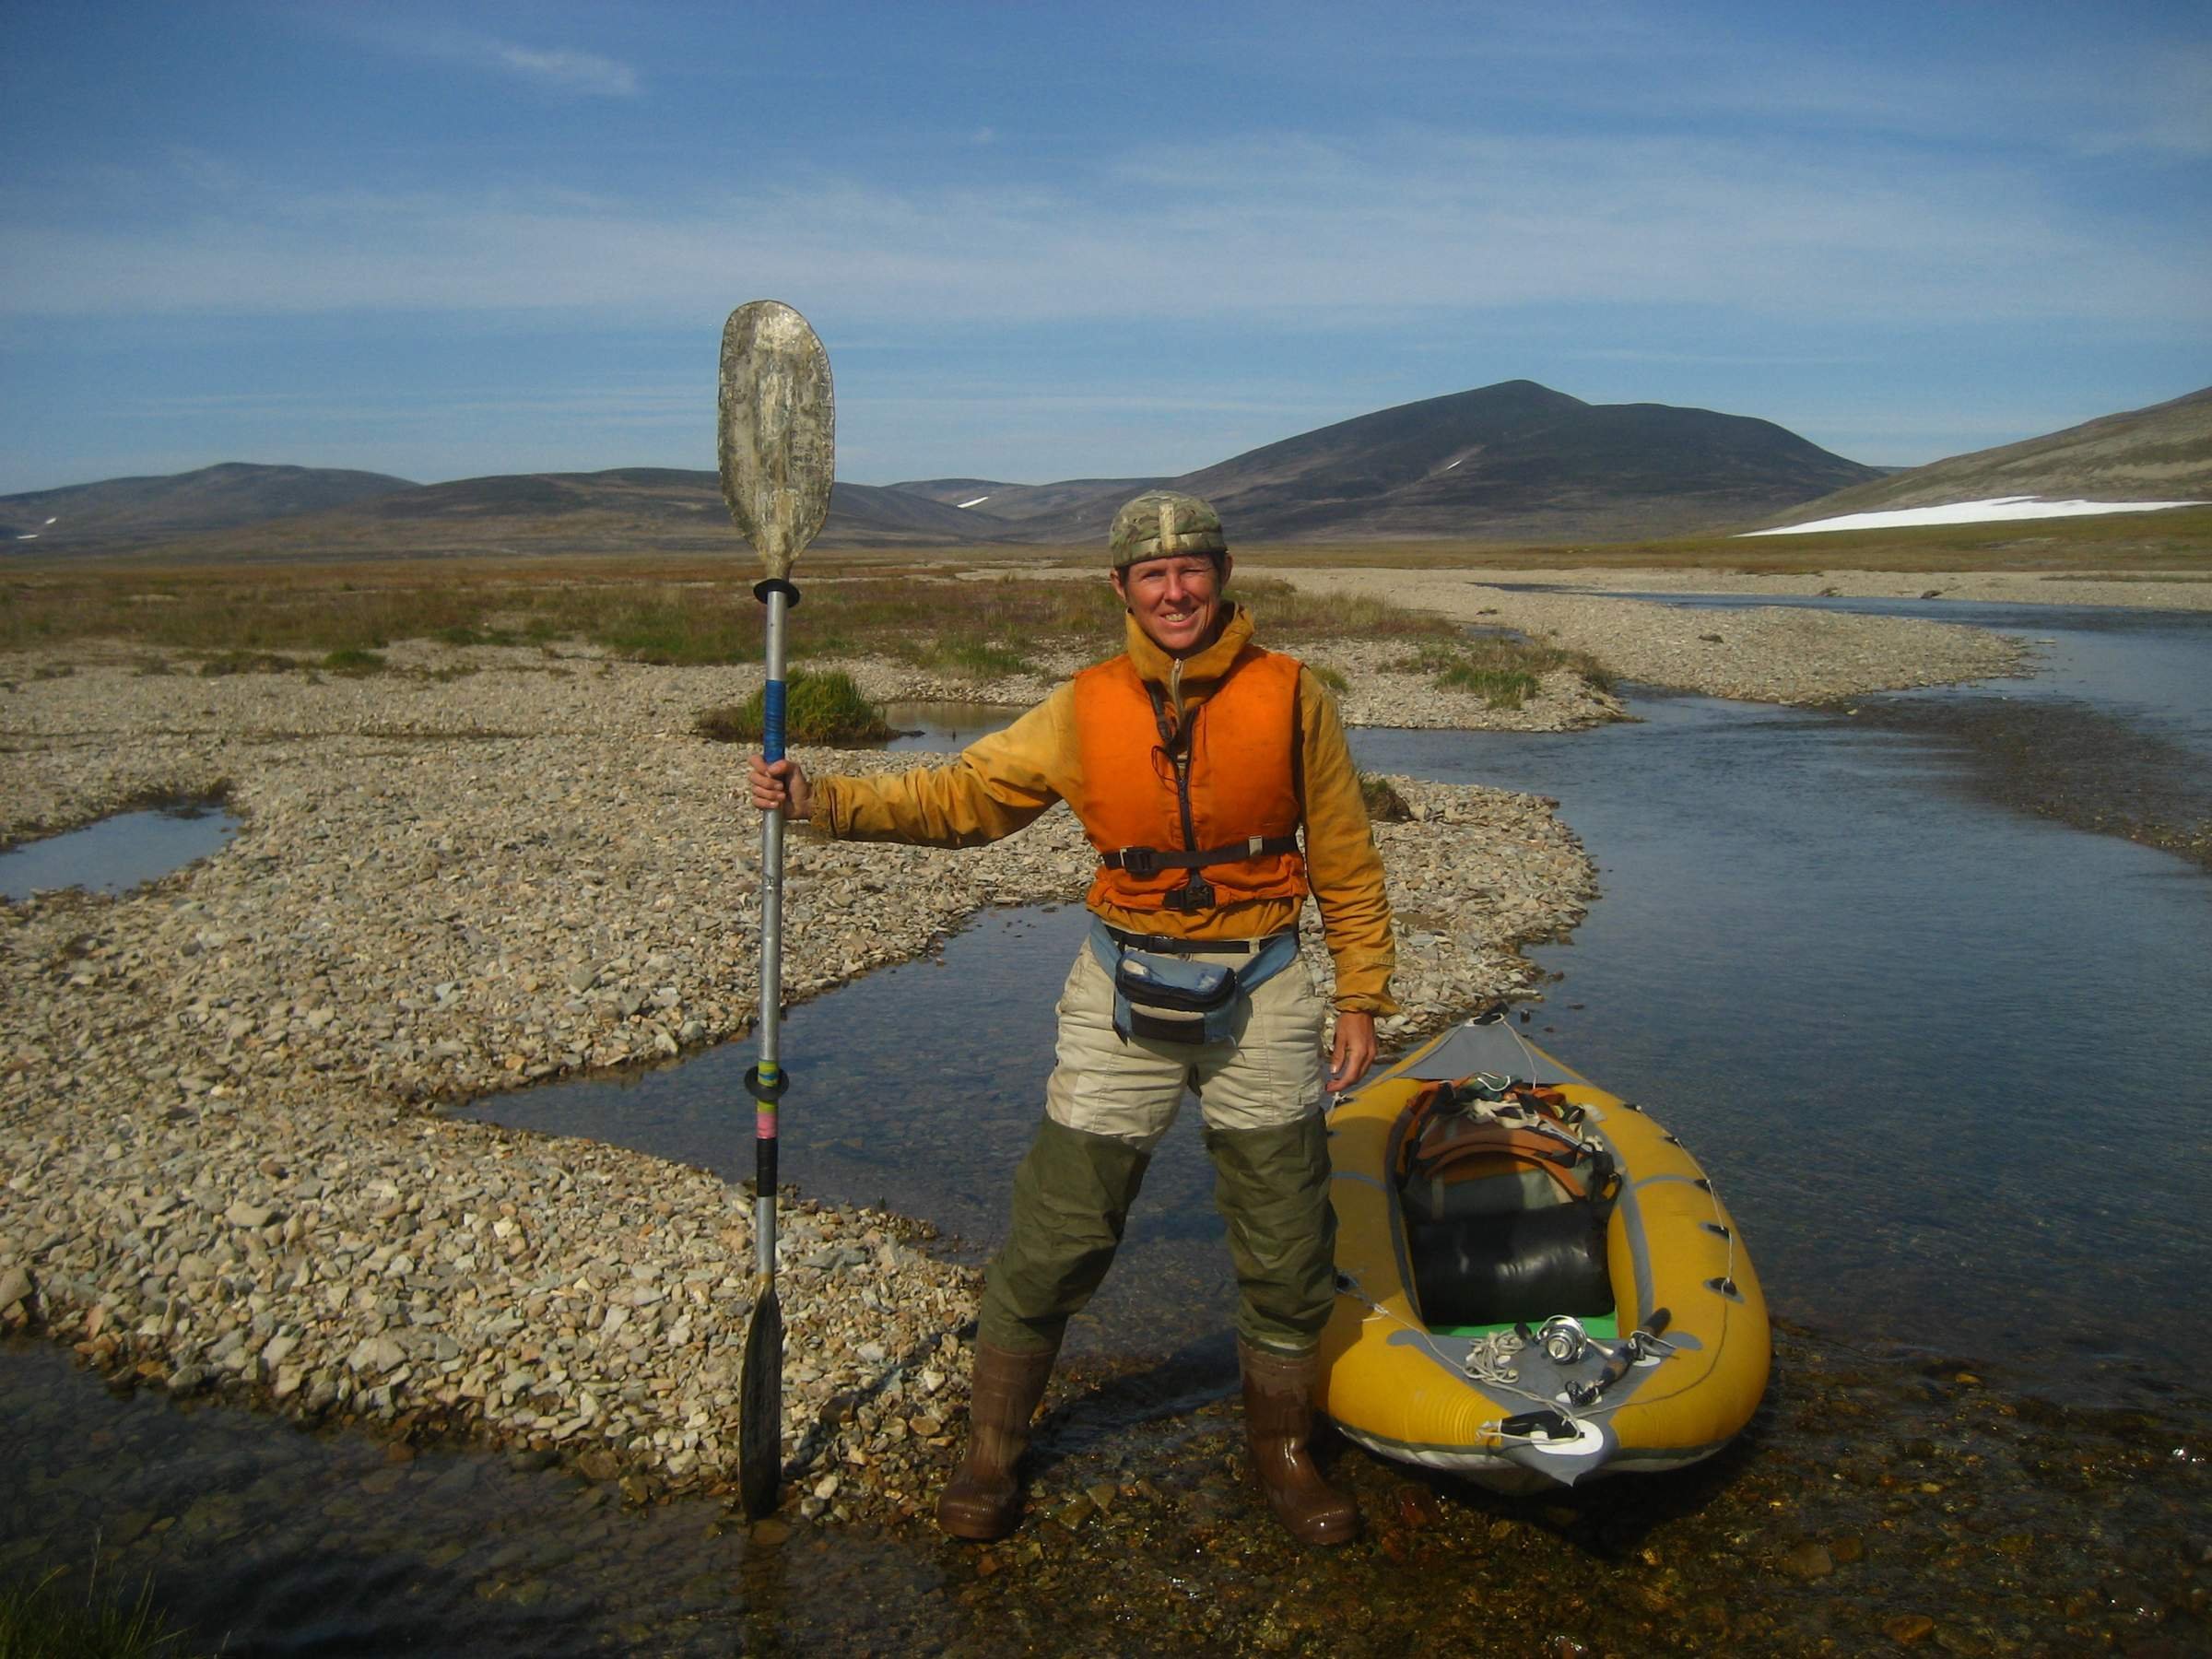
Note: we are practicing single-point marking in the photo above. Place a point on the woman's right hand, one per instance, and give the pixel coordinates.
(783, 785)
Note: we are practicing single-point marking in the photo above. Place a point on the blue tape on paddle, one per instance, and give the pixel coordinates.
(771, 721)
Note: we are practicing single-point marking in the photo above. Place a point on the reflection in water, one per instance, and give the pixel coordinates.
(119, 853)
(266, 1539)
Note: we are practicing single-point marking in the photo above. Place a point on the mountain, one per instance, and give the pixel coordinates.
(124, 512)
(1518, 460)
(2159, 453)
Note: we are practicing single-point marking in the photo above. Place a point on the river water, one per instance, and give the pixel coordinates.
(1944, 1055)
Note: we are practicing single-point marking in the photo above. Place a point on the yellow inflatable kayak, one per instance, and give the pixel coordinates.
(1536, 1282)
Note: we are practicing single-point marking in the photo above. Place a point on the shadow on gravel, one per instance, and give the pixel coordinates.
(2063, 760)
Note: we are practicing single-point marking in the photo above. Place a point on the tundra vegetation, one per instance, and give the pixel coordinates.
(214, 619)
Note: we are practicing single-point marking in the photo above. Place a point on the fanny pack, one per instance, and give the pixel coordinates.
(1166, 997)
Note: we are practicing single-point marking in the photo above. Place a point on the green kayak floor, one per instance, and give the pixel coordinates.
(1607, 1325)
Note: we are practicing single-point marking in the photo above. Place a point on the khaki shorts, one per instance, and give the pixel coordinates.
(1268, 1073)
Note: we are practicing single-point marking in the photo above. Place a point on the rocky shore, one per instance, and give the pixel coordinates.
(1781, 656)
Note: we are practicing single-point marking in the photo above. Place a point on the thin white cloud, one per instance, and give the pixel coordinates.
(553, 69)
(569, 71)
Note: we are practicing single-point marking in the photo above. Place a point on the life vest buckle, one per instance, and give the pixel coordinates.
(1141, 861)
(1193, 895)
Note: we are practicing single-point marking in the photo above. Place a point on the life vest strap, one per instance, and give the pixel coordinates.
(1150, 861)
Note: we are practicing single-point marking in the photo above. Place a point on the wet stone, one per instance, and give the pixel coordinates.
(1809, 1559)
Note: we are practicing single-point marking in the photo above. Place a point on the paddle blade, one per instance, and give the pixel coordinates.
(778, 430)
(761, 1405)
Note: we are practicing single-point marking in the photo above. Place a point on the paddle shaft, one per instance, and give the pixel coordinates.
(771, 1072)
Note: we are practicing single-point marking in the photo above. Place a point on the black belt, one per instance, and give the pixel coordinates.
(1171, 944)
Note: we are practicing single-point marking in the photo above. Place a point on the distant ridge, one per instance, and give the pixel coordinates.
(624, 509)
(123, 511)
(2160, 453)
(658, 502)
(1035, 511)
(1511, 462)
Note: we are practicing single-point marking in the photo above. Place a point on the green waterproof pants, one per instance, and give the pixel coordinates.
(1071, 1195)
(1272, 1187)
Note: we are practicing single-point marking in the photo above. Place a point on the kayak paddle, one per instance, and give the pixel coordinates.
(778, 436)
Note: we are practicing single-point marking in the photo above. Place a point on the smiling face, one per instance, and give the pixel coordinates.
(1177, 600)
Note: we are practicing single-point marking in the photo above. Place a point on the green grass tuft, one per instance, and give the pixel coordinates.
(1503, 670)
(818, 708)
(1500, 688)
(1385, 804)
(979, 659)
(247, 662)
(355, 660)
(43, 1619)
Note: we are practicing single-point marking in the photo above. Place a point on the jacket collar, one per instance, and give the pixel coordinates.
(1200, 668)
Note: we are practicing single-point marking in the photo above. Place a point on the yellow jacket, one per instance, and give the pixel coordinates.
(1005, 781)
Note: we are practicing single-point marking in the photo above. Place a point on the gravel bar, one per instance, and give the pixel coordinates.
(225, 1166)
(1781, 656)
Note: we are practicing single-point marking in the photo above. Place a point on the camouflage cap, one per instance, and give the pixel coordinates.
(1161, 522)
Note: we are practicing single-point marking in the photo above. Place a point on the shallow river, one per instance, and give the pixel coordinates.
(1943, 1056)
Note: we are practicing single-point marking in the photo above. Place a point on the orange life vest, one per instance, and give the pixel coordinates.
(1240, 782)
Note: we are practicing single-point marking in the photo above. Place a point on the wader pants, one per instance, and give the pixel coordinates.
(1109, 1103)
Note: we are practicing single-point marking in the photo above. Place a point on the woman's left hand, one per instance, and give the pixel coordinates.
(1355, 1050)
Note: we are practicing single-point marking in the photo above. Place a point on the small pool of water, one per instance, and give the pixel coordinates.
(944, 727)
(120, 853)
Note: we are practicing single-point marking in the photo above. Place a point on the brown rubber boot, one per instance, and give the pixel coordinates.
(981, 1500)
(1279, 1416)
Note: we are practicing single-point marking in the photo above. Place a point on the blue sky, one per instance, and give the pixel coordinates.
(1049, 241)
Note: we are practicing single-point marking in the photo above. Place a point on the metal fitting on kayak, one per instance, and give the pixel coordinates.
(1563, 1338)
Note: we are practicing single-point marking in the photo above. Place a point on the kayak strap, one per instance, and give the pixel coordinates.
(1477, 1149)
(1483, 1126)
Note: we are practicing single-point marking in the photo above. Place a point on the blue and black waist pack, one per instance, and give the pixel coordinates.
(1165, 998)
